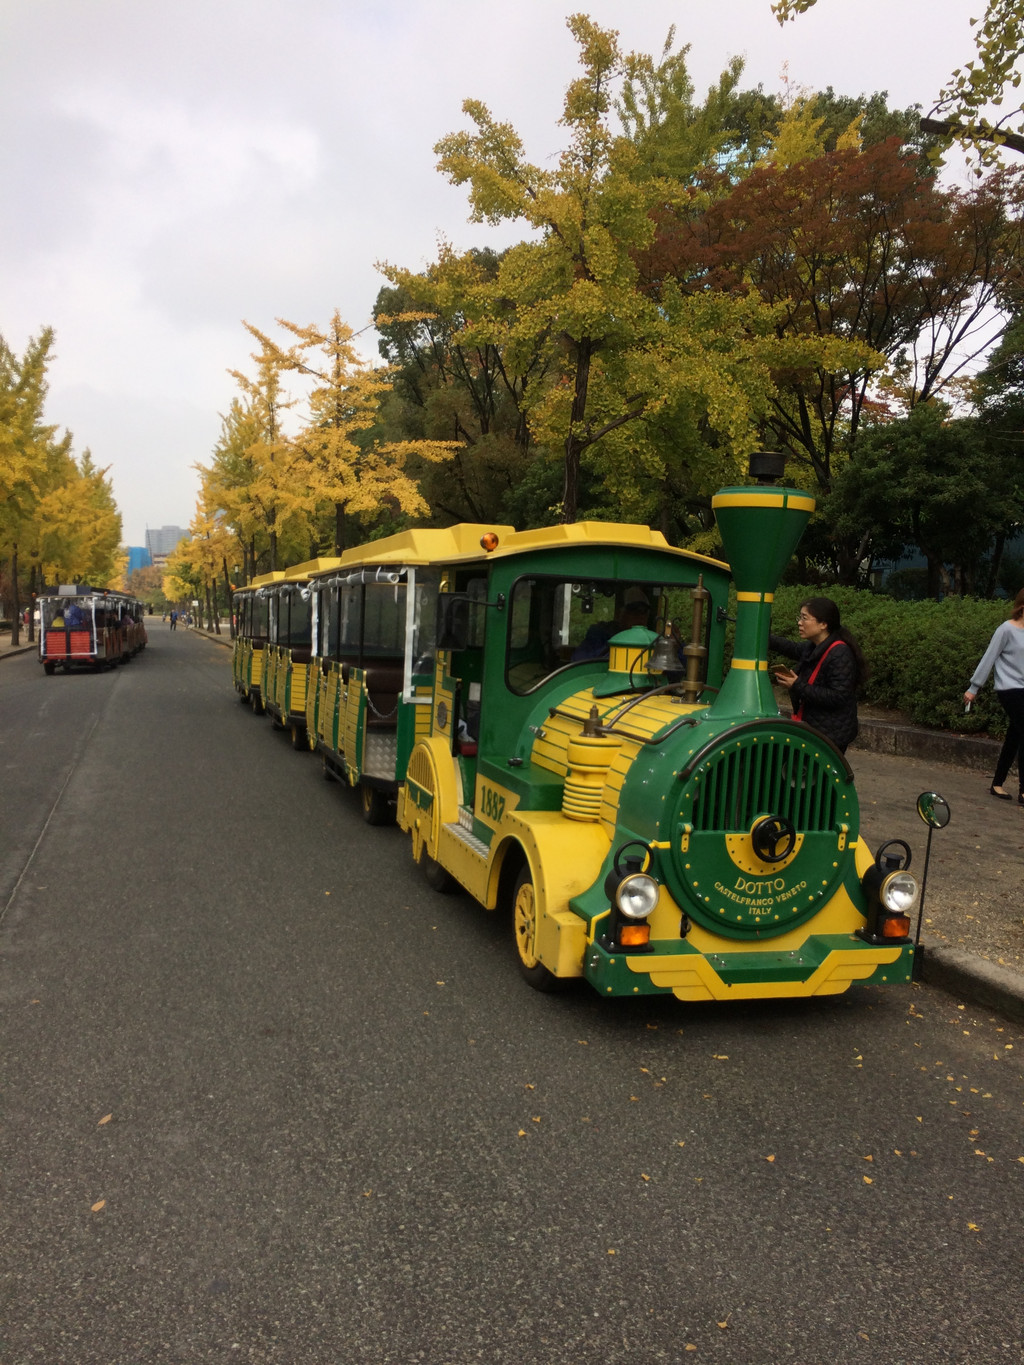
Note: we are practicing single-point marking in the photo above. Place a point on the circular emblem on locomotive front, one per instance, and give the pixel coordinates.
(442, 715)
(774, 838)
(765, 821)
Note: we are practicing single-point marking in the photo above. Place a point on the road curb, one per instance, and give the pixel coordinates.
(975, 980)
(934, 746)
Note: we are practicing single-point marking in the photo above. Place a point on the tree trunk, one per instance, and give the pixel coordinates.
(994, 563)
(32, 599)
(15, 600)
(231, 601)
(339, 528)
(574, 445)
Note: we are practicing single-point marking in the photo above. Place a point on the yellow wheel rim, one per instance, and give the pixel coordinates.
(526, 925)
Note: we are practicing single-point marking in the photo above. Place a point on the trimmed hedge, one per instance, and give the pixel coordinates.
(921, 655)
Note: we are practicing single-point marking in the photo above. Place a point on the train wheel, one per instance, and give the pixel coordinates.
(437, 877)
(298, 734)
(49, 668)
(256, 702)
(376, 805)
(328, 772)
(524, 922)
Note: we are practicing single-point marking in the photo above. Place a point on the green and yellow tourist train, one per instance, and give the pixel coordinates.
(551, 717)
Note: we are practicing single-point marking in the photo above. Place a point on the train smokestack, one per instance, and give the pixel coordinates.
(760, 528)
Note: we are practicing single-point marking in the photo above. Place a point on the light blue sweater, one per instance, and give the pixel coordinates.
(1006, 651)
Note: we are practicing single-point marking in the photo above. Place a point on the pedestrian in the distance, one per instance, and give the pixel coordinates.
(829, 669)
(1006, 653)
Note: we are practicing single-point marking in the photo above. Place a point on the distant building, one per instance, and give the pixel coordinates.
(163, 542)
(139, 557)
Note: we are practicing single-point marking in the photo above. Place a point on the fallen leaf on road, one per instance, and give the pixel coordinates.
(105, 1119)
(98, 1205)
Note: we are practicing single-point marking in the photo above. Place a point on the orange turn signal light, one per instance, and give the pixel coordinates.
(896, 926)
(634, 935)
(489, 541)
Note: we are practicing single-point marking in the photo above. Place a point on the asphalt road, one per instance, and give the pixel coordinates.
(266, 1097)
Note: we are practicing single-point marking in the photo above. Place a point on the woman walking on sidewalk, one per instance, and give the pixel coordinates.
(1006, 652)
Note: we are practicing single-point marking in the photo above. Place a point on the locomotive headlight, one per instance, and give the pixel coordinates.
(899, 892)
(889, 893)
(637, 895)
(632, 895)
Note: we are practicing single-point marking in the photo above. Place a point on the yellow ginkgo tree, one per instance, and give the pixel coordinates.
(342, 462)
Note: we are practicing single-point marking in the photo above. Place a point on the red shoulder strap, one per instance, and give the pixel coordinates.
(798, 714)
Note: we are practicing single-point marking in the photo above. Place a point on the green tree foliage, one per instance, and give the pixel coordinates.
(967, 109)
(926, 482)
(647, 390)
(858, 243)
(446, 387)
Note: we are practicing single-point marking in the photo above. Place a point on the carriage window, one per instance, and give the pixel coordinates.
(300, 618)
(329, 621)
(351, 619)
(424, 622)
(554, 623)
(260, 615)
(384, 620)
(53, 609)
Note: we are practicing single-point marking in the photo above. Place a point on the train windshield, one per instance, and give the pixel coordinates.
(67, 613)
(555, 623)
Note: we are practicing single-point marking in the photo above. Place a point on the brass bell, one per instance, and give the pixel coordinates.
(664, 656)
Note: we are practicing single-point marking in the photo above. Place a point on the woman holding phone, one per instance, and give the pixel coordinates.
(829, 669)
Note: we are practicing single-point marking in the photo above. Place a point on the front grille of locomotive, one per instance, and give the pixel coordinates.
(737, 784)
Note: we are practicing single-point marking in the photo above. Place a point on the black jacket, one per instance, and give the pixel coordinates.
(830, 702)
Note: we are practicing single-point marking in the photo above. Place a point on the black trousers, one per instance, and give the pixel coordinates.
(1012, 702)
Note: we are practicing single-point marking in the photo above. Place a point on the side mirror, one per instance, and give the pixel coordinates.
(933, 810)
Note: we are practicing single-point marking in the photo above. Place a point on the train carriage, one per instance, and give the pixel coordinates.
(252, 625)
(288, 648)
(85, 627)
(369, 693)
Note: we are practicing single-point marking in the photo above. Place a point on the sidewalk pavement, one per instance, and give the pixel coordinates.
(973, 932)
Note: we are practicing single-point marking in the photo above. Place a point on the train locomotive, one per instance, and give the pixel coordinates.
(573, 748)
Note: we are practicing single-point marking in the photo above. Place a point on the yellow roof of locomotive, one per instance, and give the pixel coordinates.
(461, 544)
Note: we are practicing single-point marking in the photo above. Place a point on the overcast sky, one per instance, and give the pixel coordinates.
(169, 169)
